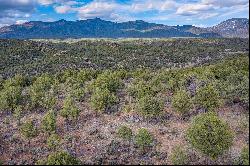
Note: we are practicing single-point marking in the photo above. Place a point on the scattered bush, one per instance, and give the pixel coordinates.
(49, 100)
(70, 111)
(85, 75)
(181, 102)
(10, 97)
(59, 158)
(42, 92)
(139, 89)
(210, 135)
(235, 87)
(18, 113)
(54, 141)
(66, 75)
(127, 108)
(179, 156)
(107, 80)
(125, 132)
(150, 106)
(102, 99)
(49, 122)
(76, 91)
(143, 138)
(208, 98)
(245, 156)
(17, 80)
(28, 130)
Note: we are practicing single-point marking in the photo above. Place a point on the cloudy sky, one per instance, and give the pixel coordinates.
(169, 12)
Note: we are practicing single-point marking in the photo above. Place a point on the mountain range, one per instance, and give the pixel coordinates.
(98, 28)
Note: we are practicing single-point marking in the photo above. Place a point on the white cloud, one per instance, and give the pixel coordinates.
(205, 9)
(21, 21)
(225, 3)
(98, 9)
(158, 5)
(192, 9)
(208, 15)
(49, 2)
(45, 2)
(114, 10)
(62, 9)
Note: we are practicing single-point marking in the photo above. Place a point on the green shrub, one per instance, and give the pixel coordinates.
(179, 156)
(54, 141)
(17, 80)
(18, 113)
(49, 100)
(77, 92)
(143, 138)
(142, 73)
(59, 158)
(85, 75)
(125, 132)
(236, 86)
(42, 92)
(210, 135)
(181, 102)
(127, 108)
(49, 122)
(140, 89)
(102, 99)
(107, 80)
(149, 106)
(245, 156)
(67, 74)
(10, 97)
(70, 110)
(28, 130)
(208, 98)
(41, 162)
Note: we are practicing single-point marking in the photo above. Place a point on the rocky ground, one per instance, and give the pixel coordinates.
(93, 138)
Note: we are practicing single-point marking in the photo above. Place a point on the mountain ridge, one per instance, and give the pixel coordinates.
(98, 28)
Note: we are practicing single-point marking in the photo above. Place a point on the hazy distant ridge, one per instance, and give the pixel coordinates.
(97, 28)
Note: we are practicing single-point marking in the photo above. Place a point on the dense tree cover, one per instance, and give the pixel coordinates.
(25, 56)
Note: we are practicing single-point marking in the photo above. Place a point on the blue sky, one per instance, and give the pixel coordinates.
(170, 12)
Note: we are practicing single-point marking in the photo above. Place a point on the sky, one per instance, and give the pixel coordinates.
(201, 13)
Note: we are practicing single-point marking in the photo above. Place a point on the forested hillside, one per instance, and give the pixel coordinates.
(36, 57)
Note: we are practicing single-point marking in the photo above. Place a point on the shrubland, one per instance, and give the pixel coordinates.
(137, 88)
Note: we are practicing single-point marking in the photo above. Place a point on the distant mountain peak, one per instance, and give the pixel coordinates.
(62, 20)
(96, 27)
